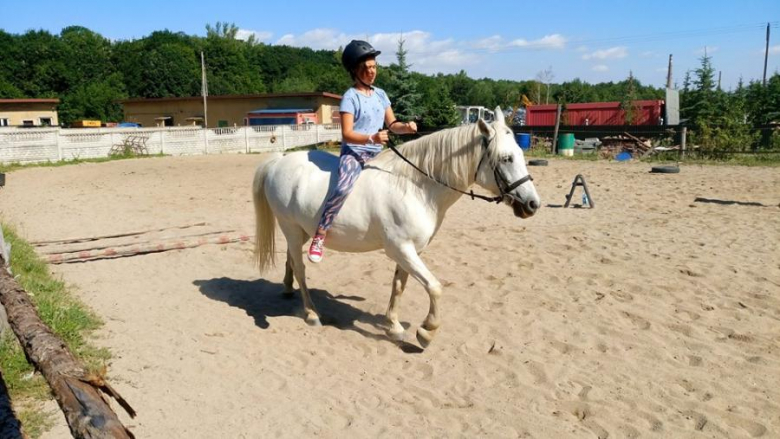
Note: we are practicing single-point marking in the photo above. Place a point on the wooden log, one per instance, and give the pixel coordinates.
(118, 235)
(134, 250)
(10, 427)
(73, 248)
(77, 392)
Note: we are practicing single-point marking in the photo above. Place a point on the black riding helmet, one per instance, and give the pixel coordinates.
(355, 52)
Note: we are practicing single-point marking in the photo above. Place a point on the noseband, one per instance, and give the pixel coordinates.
(504, 187)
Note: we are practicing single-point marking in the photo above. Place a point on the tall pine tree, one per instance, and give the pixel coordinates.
(403, 88)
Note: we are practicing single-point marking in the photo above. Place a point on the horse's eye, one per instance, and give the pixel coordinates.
(508, 159)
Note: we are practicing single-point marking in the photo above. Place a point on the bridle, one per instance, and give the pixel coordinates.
(504, 187)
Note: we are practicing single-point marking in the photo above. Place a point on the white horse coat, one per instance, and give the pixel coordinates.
(393, 206)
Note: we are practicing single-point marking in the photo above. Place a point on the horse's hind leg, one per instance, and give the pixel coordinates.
(288, 276)
(296, 237)
(408, 259)
(396, 331)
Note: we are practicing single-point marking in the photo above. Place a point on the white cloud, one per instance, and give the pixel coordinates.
(244, 34)
(600, 68)
(317, 39)
(773, 50)
(425, 54)
(553, 41)
(492, 44)
(582, 49)
(611, 53)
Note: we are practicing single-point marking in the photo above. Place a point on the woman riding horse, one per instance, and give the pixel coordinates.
(363, 110)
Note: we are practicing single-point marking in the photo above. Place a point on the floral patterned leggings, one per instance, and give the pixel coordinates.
(351, 164)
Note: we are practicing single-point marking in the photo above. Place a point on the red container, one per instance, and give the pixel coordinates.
(595, 113)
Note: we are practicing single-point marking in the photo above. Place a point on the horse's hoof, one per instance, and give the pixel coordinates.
(313, 321)
(288, 294)
(424, 337)
(396, 335)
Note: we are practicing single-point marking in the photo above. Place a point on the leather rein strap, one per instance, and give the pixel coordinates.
(503, 185)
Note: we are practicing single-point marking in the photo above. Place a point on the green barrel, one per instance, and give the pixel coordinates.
(566, 144)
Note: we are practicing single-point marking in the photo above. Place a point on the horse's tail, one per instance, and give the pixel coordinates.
(265, 221)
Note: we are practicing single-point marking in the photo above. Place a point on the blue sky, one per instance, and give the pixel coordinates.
(593, 40)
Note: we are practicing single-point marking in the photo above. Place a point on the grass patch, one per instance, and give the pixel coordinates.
(539, 153)
(66, 316)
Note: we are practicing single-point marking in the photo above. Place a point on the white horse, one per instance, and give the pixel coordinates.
(393, 205)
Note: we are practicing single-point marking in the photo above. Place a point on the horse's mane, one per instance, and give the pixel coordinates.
(451, 156)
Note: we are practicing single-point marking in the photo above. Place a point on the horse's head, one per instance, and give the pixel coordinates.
(502, 169)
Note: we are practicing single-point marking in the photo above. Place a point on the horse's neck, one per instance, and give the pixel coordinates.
(441, 196)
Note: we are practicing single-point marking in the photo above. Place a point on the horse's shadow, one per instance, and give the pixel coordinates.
(262, 299)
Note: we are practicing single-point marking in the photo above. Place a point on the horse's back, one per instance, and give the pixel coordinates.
(297, 185)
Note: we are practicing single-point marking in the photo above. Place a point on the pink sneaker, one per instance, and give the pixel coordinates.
(316, 248)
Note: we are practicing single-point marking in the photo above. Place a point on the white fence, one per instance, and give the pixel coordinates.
(18, 145)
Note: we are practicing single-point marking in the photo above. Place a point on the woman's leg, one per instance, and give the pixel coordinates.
(349, 170)
(350, 166)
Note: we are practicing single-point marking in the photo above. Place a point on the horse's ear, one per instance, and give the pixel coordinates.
(499, 116)
(486, 129)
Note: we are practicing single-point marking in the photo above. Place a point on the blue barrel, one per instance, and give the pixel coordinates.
(524, 140)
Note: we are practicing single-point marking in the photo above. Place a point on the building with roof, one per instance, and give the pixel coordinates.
(235, 110)
(28, 112)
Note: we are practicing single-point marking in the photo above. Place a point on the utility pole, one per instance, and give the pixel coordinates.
(669, 73)
(204, 90)
(766, 53)
(719, 73)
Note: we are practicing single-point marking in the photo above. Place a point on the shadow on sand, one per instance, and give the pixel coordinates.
(262, 299)
(729, 202)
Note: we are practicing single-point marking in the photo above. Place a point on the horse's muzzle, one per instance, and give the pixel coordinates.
(524, 209)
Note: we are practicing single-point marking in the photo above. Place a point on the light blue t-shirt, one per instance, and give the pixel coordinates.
(369, 113)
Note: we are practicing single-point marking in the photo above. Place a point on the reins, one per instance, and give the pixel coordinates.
(470, 193)
(503, 186)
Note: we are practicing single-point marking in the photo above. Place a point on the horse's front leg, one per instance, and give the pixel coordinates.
(408, 259)
(396, 331)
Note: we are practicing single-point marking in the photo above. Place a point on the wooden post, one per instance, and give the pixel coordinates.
(555, 133)
(766, 54)
(246, 138)
(77, 392)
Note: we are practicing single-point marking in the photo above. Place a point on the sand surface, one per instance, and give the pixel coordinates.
(651, 315)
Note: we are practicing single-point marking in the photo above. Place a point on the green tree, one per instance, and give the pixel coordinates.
(628, 102)
(94, 100)
(439, 110)
(403, 90)
(87, 55)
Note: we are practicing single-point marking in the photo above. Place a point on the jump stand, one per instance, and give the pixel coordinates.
(579, 180)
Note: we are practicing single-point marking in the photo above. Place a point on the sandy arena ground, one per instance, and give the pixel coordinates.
(652, 315)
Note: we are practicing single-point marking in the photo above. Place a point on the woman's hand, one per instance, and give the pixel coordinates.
(381, 137)
(411, 127)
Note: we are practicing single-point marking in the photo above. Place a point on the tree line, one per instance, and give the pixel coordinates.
(90, 73)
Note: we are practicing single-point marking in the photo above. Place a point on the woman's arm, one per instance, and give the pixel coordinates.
(396, 126)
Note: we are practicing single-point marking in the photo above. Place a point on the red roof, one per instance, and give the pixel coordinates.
(29, 101)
